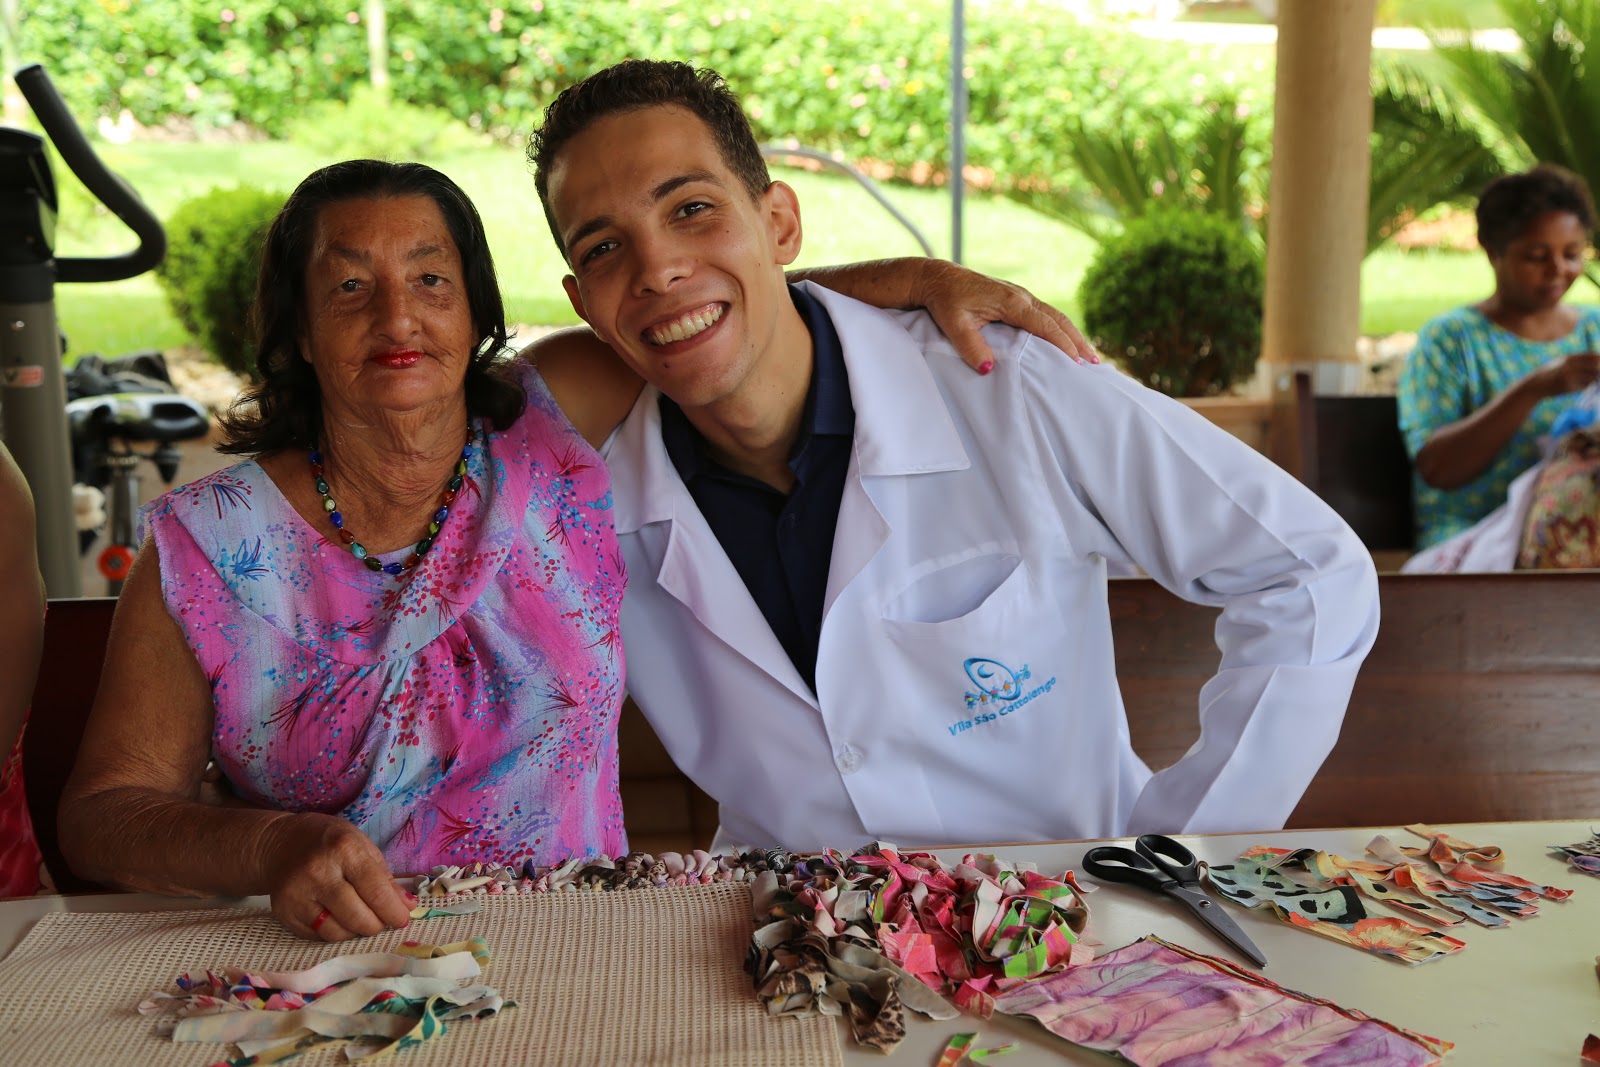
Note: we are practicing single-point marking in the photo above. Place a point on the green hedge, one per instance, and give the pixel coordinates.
(212, 263)
(1176, 300)
(870, 81)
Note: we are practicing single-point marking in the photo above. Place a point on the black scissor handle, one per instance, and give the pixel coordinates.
(1113, 863)
(1175, 861)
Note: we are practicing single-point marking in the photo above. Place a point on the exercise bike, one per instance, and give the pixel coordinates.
(38, 425)
(106, 430)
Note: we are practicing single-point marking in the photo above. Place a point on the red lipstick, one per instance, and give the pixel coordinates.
(397, 358)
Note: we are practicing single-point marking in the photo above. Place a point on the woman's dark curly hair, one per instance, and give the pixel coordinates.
(1509, 204)
(284, 408)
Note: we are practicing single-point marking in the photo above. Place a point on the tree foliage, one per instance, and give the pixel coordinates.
(1543, 101)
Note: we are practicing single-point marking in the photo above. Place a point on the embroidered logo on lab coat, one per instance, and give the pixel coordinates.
(994, 681)
(999, 692)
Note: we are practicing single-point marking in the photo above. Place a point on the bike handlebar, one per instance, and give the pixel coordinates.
(111, 190)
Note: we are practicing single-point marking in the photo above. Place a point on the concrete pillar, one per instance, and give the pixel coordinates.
(1316, 234)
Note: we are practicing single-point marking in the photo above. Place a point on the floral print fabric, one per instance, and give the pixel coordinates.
(465, 712)
(1563, 525)
(19, 850)
(1460, 363)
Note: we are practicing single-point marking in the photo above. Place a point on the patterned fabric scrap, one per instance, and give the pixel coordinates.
(1582, 855)
(1330, 909)
(1393, 879)
(874, 933)
(381, 1001)
(1463, 886)
(960, 1050)
(1155, 1003)
(1562, 529)
(1476, 864)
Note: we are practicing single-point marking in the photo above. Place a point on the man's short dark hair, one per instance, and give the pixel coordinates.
(1510, 204)
(635, 84)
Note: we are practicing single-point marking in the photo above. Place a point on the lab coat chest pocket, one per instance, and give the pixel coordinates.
(981, 585)
(980, 637)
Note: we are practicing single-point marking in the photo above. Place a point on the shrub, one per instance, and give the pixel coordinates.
(213, 259)
(1176, 301)
(868, 81)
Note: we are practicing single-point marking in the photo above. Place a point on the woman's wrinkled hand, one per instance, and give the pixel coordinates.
(322, 864)
(963, 301)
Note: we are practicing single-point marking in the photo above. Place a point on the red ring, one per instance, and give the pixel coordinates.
(322, 916)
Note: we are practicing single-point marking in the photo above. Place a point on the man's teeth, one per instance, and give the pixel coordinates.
(685, 327)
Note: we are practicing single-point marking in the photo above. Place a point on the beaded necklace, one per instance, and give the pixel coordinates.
(359, 551)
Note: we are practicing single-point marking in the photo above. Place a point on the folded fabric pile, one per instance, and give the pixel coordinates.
(870, 934)
(380, 1002)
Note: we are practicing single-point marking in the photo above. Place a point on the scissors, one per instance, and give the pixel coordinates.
(1161, 865)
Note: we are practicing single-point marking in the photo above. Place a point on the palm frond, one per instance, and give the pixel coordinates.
(1424, 153)
(1544, 99)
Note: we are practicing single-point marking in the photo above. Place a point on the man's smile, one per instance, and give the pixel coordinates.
(684, 326)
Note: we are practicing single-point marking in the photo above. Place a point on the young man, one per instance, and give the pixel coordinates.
(867, 590)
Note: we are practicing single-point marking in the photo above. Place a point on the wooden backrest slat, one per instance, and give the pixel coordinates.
(75, 633)
(1480, 700)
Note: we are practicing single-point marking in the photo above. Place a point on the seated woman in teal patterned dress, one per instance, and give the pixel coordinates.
(1486, 382)
(393, 627)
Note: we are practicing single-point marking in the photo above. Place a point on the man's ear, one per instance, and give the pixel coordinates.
(782, 209)
(570, 284)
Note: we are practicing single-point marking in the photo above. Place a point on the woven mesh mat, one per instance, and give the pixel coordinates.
(636, 978)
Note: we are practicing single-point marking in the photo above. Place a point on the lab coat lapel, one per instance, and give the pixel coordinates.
(903, 428)
(692, 568)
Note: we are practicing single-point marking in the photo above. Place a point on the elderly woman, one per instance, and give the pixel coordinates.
(1486, 382)
(394, 627)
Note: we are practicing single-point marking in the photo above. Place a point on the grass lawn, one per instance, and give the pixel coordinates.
(842, 223)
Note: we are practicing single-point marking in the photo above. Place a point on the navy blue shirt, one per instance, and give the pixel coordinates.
(781, 543)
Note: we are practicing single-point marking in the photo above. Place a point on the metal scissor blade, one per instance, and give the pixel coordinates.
(1210, 911)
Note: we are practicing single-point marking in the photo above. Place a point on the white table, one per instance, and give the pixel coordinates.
(1526, 994)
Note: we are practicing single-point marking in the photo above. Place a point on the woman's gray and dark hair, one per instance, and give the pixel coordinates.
(283, 409)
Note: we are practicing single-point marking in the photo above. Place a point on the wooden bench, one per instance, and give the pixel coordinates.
(1479, 702)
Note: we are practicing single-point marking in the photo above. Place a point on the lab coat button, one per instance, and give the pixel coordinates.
(848, 760)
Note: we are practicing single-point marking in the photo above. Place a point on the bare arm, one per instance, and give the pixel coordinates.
(961, 302)
(1464, 449)
(22, 626)
(590, 382)
(597, 389)
(131, 814)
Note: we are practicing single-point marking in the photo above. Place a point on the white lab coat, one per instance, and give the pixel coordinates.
(976, 522)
